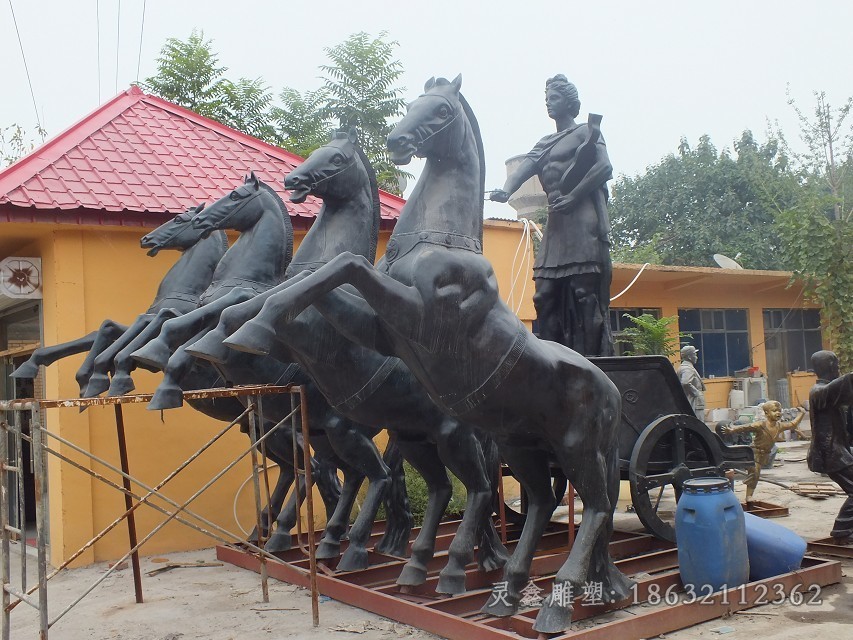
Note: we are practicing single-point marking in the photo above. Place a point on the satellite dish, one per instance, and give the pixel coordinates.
(725, 262)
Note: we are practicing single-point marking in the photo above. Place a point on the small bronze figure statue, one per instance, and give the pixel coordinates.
(829, 452)
(572, 271)
(764, 433)
(691, 381)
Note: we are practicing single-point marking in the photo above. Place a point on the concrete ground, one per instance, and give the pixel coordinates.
(224, 603)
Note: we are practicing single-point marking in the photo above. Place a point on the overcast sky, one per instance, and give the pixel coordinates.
(657, 71)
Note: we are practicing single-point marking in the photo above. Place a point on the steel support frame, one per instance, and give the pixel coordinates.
(39, 439)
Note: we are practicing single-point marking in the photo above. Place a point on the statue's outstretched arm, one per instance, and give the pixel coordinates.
(524, 171)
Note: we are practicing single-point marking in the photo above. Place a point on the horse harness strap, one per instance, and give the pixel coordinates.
(177, 296)
(376, 380)
(402, 243)
(475, 398)
(295, 268)
(233, 283)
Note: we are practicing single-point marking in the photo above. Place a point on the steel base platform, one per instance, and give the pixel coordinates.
(830, 547)
(765, 509)
(659, 604)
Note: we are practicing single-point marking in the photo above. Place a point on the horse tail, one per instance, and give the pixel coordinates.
(397, 509)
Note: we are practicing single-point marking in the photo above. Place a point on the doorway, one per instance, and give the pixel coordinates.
(20, 335)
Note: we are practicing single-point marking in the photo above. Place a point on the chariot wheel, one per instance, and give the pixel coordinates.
(670, 450)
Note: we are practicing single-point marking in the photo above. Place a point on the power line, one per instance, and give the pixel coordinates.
(118, 39)
(141, 32)
(27, 70)
(98, 39)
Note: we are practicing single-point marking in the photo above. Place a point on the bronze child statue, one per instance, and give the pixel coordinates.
(764, 435)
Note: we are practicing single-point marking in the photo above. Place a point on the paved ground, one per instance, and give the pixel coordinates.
(224, 603)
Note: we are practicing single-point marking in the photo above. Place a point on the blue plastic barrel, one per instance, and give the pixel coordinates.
(772, 548)
(711, 536)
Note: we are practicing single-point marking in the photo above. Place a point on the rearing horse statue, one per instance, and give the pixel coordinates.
(433, 301)
(370, 388)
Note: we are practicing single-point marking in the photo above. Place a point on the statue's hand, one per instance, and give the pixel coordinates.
(563, 204)
(498, 195)
(725, 430)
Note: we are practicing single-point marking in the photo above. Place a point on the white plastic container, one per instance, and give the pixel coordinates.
(736, 399)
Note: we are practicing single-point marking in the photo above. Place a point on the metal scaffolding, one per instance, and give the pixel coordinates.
(40, 438)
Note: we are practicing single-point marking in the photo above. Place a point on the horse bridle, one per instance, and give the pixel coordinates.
(448, 123)
(349, 164)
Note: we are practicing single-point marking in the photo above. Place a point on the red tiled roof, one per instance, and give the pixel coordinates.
(138, 157)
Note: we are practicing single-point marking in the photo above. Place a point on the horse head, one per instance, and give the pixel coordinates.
(179, 233)
(240, 209)
(332, 171)
(431, 124)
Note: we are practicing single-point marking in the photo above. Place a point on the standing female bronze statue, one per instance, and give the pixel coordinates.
(572, 271)
(433, 301)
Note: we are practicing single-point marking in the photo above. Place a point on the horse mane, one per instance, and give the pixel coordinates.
(374, 194)
(223, 238)
(288, 226)
(475, 126)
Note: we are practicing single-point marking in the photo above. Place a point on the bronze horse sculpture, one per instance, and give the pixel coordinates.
(177, 293)
(280, 445)
(433, 301)
(370, 388)
(251, 266)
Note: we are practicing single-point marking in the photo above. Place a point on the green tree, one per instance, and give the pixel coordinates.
(189, 74)
(15, 143)
(651, 336)
(361, 90)
(700, 201)
(300, 125)
(818, 228)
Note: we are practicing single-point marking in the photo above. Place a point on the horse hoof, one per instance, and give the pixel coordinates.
(98, 383)
(354, 559)
(553, 618)
(154, 354)
(121, 385)
(328, 550)
(166, 398)
(500, 603)
(26, 371)
(210, 348)
(412, 575)
(253, 337)
(278, 542)
(451, 583)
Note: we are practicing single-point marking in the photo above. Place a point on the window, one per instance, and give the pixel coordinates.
(618, 324)
(796, 332)
(720, 335)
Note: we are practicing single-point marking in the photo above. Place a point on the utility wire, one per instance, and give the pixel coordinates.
(141, 32)
(98, 40)
(27, 70)
(118, 39)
